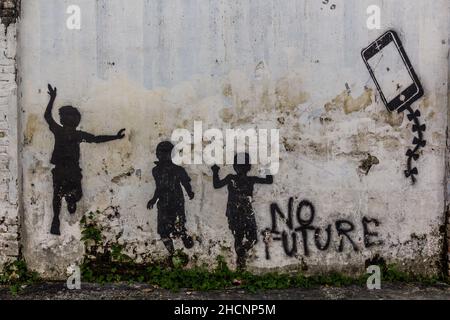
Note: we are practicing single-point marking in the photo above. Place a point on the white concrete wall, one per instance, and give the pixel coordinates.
(9, 185)
(151, 66)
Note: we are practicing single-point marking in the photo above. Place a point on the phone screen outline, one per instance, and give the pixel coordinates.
(412, 92)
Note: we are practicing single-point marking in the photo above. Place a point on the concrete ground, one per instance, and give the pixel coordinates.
(58, 291)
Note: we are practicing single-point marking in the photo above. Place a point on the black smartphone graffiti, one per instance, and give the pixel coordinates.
(398, 85)
(392, 72)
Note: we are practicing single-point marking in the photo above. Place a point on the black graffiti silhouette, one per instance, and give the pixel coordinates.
(66, 157)
(240, 213)
(169, 197)
(302, 224)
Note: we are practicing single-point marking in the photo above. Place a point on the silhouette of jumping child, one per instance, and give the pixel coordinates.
(66, 157)
(168, 193)
(240, 214)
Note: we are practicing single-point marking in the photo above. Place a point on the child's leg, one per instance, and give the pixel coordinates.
(168, 243)
(251, 235)
(74, 195)
(58, 194)
(71, 204)
(166, 227)
(240, 250)
(187, 239)
(55, 229)
(72, 207)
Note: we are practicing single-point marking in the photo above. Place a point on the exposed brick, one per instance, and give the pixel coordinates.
(9, 225)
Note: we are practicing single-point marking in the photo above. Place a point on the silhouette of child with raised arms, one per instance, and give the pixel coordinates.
(66, 157)
(168, 193)
(240, 214)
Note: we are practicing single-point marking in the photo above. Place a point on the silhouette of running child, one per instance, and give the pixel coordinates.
(66, 157)
(168, 193)
(240, 214)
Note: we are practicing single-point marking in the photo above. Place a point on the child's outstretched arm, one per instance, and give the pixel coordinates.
(267, 180)
(217, 182)
(155, 198)
(90, 138)
(185, 182)
(48, 112)
(187, 186)
(153, 201)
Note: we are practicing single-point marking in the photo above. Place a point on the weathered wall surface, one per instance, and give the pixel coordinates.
(9, 203)
(153, 66)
